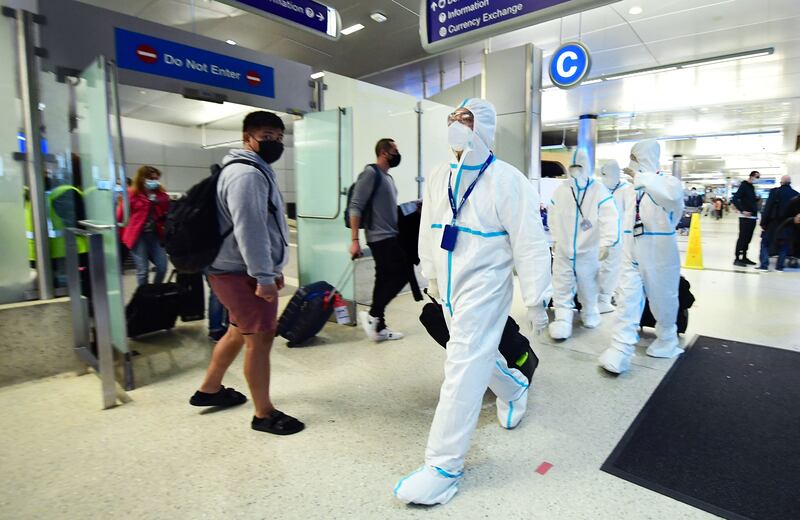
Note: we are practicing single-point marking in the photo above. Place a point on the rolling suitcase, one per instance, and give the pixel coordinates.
(308, 311)
(154, 307)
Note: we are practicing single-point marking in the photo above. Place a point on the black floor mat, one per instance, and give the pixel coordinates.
(721, 432)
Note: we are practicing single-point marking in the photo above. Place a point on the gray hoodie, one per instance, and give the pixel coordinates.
(258, 244)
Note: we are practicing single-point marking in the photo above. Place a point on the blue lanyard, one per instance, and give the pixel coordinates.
(469, 190)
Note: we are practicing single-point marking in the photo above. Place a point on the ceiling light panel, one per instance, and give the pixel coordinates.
(353, 28)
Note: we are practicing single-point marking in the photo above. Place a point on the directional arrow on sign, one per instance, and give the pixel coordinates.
(320, 17)
(433, 6)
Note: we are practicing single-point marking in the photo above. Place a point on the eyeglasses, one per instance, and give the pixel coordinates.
(462, 117)
(269, 136)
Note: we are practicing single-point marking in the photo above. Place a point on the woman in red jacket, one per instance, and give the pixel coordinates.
(145, 230)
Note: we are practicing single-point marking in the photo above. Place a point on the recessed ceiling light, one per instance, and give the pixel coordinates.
(230, 42)
(704, 109)
(317, 75)
(635, 10)
(378, 17)
(353, 28)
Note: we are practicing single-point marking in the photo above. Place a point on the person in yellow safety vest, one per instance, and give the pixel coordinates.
(55, 222)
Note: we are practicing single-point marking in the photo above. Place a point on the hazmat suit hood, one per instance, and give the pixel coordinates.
(609, 174)
(647, 154)
(482, 142)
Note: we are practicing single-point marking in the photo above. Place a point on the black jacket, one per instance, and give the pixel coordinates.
(777, 204)
(745, 198)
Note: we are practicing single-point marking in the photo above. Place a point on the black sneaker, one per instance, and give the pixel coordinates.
(748, 261)
(762, 268)
(278, 423)
(739, 263)
(224, 398)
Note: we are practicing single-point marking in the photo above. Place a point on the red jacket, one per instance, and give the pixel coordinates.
(140, 209)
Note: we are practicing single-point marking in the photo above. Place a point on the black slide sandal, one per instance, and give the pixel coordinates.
(278, 423)
(224, 398)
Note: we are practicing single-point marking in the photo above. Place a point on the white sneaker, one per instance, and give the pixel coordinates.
(590, 321)
(369, 324)
(604, 304)
(389, 335)
(665, 349)
(510, 413)
(428, 486)
(615, 361)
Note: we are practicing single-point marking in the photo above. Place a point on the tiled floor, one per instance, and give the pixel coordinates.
(368, 409)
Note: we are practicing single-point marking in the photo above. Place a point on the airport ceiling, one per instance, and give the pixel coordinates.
(753, 94)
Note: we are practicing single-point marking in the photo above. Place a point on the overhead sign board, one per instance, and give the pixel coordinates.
(305, 14)
(452, 23)
(570, 65)
(152, 55)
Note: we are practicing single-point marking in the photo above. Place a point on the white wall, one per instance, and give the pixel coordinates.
(177, 151)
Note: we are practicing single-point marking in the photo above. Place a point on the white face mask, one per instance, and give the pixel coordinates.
(576, 173)
(635, 166)
(459, 136)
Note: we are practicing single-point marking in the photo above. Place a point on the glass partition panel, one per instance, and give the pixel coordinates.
(323, 163)
(16, 276)
(99, 181)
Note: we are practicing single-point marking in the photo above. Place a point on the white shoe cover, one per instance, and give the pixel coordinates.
(427, 486)
(604, 304)
(590, 321)
(560, 329)
(615, 361)
(510, 413)
(369, 324)
(665, 349)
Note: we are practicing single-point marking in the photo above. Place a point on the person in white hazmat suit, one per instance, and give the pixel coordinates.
(480, 220)
(608, 277)
(650, 263)
(583, 223)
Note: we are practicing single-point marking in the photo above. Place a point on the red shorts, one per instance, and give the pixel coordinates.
(246, 311)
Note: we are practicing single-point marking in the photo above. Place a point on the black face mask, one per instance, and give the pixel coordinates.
(270, 151)
(394, 161)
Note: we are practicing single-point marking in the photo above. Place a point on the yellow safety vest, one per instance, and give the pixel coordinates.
(55, 226)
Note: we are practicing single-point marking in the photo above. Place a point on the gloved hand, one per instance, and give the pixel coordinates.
(537, 319)
(433, 289)
(604, 250)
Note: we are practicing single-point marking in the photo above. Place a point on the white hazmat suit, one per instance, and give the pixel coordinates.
(499, 229)
(608, 278)
(651, 262)
(583, 223)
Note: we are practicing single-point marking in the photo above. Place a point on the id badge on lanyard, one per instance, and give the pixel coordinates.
(450, 234)
(638, 226)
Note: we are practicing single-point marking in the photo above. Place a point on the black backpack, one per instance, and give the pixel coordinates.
(366, 215)
(191, 234)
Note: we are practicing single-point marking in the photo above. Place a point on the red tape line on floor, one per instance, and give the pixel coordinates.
(543, 468)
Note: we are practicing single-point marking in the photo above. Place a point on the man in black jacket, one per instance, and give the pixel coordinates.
(746, 202)
(775, 237)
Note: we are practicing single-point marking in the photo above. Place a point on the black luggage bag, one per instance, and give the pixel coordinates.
(685, 301)
(193, 300)
(308, 310)
(154, 307)
(514, 347)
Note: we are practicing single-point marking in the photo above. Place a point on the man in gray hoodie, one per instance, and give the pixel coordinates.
(247, 273)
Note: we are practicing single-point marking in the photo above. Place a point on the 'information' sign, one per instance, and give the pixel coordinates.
(305, 14)
(452, 23)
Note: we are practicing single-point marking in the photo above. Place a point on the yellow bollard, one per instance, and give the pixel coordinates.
(694, 255)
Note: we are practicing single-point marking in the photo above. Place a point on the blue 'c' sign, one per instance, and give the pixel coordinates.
(151, 55)
(569, 65)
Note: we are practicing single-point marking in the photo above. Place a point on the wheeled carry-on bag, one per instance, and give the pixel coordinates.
(154, 307)
(308, 310)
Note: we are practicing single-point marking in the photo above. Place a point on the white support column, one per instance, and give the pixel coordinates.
(587, 139)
